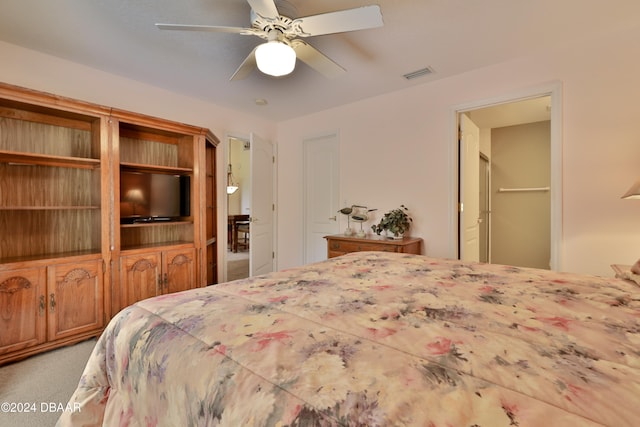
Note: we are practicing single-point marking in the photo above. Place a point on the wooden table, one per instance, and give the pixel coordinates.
(233, 223)
(340, 244)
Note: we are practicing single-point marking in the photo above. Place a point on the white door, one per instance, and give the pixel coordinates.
(321, 192)
(469, 190)
(261, 251)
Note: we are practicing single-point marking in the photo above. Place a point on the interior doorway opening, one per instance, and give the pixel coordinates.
(238, 208)
(504, 113)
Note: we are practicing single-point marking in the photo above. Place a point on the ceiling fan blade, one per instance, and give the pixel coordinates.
(247, 66)
(213, 28)
(264, 8)
(316, 60)
(341, 21)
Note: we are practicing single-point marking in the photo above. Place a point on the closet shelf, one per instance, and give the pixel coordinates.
(522, 189)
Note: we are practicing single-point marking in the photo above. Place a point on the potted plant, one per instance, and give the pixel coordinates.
(395, 223)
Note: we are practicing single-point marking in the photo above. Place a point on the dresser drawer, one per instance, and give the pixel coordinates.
(339, 246)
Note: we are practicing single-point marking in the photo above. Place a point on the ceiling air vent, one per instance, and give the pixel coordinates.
(418, 73)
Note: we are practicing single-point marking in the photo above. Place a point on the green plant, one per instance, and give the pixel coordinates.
(396, 221)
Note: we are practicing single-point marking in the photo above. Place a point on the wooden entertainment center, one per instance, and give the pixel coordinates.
(67, 264)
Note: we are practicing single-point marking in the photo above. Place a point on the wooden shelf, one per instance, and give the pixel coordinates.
(47, 160)
(35, 260)
(47, 208)
(156, 246)
(137, 167)
(154, 224)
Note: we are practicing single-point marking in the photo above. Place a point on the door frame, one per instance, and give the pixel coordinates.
(554, 91)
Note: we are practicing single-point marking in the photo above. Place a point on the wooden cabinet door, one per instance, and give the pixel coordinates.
(140, 277)
(75, 299)
(179, 270)
(22, 309)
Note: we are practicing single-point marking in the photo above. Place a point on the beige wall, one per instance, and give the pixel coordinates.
(520, 225)
(396, 149)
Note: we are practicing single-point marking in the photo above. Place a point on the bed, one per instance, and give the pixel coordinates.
(373, 339)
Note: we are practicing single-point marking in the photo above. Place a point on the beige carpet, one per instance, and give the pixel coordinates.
(237, 265)
(43, 383)
(238, 269)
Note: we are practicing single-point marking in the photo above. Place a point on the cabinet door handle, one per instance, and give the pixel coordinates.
(52, 302)
(166, 281)
(42, 305)
(333, 218)
(160, 280)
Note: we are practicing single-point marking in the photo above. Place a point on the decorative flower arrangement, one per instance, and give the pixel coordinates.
(395, 222)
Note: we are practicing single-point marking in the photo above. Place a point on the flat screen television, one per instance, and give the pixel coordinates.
(146, 196)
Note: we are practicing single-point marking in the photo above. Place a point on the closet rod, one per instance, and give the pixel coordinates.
(513, 190)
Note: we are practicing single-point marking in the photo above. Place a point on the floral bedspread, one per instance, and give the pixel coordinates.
(373, 339)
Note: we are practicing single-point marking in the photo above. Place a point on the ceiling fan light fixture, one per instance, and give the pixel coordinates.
(275, 58)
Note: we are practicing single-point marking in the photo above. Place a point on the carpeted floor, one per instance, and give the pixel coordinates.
(237, 265)
(33, 391)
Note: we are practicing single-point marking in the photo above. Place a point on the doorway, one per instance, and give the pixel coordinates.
(499, 113)
(238, 208)
(250, 207)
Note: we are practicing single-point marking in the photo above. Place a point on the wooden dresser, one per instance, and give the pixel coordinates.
(340, 244)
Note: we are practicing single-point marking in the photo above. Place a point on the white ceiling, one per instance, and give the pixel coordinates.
(449, 36)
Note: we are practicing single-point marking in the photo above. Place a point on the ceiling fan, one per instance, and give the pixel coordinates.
(278, 55)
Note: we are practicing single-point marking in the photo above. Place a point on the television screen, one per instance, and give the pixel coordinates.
(149, 196)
